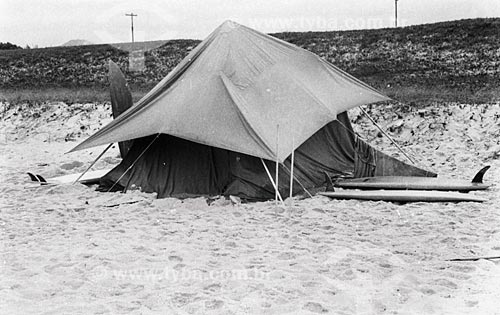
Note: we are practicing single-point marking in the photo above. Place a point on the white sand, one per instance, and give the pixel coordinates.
(70, 250)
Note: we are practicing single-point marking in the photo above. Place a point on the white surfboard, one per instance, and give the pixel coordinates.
(88, 178)
(403, 195)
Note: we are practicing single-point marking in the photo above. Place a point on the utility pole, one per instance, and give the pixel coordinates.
(396, 13)
(132, 23)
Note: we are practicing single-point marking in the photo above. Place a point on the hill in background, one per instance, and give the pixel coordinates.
(457, 61)
(77, 42)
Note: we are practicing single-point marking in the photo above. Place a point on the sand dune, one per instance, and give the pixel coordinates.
(71, 250)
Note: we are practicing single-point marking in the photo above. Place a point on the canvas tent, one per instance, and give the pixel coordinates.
(241, 96)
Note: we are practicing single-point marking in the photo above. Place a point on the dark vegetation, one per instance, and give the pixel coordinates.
(8, 46)
(458, 60)
(449, 61)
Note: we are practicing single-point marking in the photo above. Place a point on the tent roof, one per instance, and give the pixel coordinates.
(243, 91)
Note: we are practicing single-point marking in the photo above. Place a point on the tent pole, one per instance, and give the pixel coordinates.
(271, 179)
(95, 161)
(132, 165)
(291, 167)
(297, 180)
(388, 137)
(277, 163)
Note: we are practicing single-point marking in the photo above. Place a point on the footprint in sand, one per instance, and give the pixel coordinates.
(341, 272)
(72, 284)
(329, 292)
(181, 299)
(213, 263)
(215, 287)
(213, 304)
(72, 165)
(315, 308)
(471, 303)
(176, 259)
(59, 269)
(310, 284)
(427, 291)
(286, 256)
(446, 283)
(463, 268)
(347, 274)
(256, 262)
(179, 267)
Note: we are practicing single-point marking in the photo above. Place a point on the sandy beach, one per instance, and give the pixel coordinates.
(68, 249)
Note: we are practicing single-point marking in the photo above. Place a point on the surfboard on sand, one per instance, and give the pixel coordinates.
(88, 178)
(403, 196)
(415, 183)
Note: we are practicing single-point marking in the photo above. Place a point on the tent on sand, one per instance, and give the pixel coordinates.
(240, 99)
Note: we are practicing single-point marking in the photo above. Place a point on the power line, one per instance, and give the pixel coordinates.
(132, 15)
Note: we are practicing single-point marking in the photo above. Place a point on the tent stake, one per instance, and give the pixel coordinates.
(291, 167)
(95, 161)
(388, 137)
(271, 179)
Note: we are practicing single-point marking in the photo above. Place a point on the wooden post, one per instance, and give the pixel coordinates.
(132, 15)
(395, 13)
(277, 164)
(271, 179)
(291, 167)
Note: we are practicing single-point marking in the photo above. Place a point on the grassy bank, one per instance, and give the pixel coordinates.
(456, 61)
(61, 94)
(414, 96)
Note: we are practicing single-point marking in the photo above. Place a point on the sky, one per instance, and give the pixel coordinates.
(54, 22)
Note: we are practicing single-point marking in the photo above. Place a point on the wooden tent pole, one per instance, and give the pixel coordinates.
(277, 163)
(271, 179)
(291, 167)
(95, 161)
